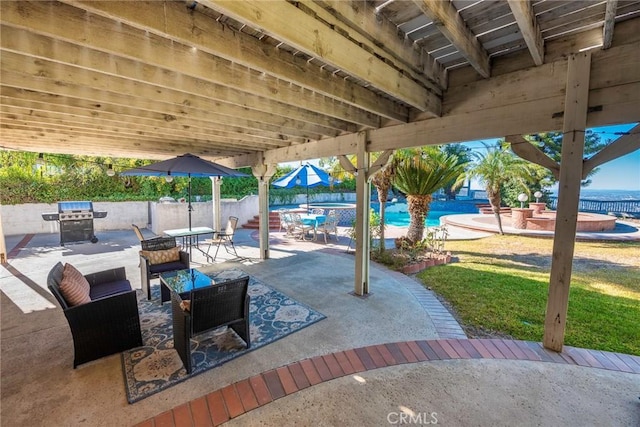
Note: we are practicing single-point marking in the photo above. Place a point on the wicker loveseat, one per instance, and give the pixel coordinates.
(160, 255)
(109, 323)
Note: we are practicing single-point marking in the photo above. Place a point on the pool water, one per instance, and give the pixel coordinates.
(401, 219)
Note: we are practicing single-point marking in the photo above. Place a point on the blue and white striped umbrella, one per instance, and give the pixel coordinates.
(306, 176)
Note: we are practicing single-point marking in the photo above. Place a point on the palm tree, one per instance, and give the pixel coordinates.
(494, 169)
(383, 180)
(418, 176)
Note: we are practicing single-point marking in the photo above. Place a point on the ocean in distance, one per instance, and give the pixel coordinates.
(605, 195)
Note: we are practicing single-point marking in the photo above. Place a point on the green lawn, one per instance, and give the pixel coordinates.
(500, 285)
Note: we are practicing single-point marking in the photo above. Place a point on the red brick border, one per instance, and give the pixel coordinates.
(243, 396)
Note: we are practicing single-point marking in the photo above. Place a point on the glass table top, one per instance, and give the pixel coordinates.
(182, 281)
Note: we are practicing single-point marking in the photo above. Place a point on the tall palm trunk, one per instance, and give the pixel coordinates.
(418, 206)
(495, 201)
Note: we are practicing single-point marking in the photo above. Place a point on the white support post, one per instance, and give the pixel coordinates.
(215, 197)
(263, 212)
(363, 205)
(575, 121)
(263, 173)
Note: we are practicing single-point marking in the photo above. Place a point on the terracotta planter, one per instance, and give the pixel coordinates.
(413, 268)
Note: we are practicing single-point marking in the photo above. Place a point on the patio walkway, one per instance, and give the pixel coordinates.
(372, 359)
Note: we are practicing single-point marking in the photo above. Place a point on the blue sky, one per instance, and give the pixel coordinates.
(619, 174)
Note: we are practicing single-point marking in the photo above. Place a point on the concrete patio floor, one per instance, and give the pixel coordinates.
(39, 386)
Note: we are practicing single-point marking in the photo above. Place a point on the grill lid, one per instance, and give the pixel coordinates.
(83, 206)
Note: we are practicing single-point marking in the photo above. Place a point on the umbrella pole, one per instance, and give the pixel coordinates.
(307, 199)
(190, 207)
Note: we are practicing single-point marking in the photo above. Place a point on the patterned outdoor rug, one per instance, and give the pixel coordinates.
(156, 366)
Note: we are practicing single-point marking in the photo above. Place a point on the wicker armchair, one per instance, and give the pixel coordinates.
(149, 270)
(225, 303)
(109, 324)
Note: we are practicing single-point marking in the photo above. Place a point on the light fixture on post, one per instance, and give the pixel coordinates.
(40, 160)
(537, 195)
(522, 197)
(168, 178)
(110, 171)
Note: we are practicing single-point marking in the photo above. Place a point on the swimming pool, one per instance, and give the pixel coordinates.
(395, 214)
(401, 219)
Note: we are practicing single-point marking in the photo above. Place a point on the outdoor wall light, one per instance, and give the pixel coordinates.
(522, 197)
(110, 171)
(537, 195)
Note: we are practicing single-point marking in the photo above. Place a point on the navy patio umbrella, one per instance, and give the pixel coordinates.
(306, 176)
(185, 165)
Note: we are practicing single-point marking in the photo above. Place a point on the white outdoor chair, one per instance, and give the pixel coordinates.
(329, 226)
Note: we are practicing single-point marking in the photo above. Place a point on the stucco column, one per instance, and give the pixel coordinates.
(363, 205)
(215, 195)
(263, 172)
(519, 217)
(537, 207)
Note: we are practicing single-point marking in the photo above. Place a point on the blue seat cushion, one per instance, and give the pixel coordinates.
(111, 288)
(168, 266)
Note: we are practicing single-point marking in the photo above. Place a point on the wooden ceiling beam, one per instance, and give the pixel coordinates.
(318, 40)
(200, 109)
(77, 140)
(190, 27)
(377, 34)
(133, 122)
(83, 107)
(445, 16)
(609, 23)
(102, 128)
(85, 29)
(38, 46)
(526, 19)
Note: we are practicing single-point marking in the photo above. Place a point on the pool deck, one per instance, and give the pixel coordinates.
(625, 230)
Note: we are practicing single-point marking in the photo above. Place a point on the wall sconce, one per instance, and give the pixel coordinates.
(522, 197)
(110, 171)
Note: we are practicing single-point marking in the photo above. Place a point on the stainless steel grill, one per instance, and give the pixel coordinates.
(76, 221)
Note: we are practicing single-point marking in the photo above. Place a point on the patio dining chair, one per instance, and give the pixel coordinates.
(209, 308)
(285, 221)
(223, 238)
(300, 229)
(330, 225)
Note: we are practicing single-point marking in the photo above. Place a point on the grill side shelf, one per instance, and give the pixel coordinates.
(52, 216)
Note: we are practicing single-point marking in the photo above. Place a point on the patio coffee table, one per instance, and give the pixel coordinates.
(182, 282)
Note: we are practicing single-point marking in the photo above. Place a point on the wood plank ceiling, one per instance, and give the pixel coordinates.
(223, 79)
